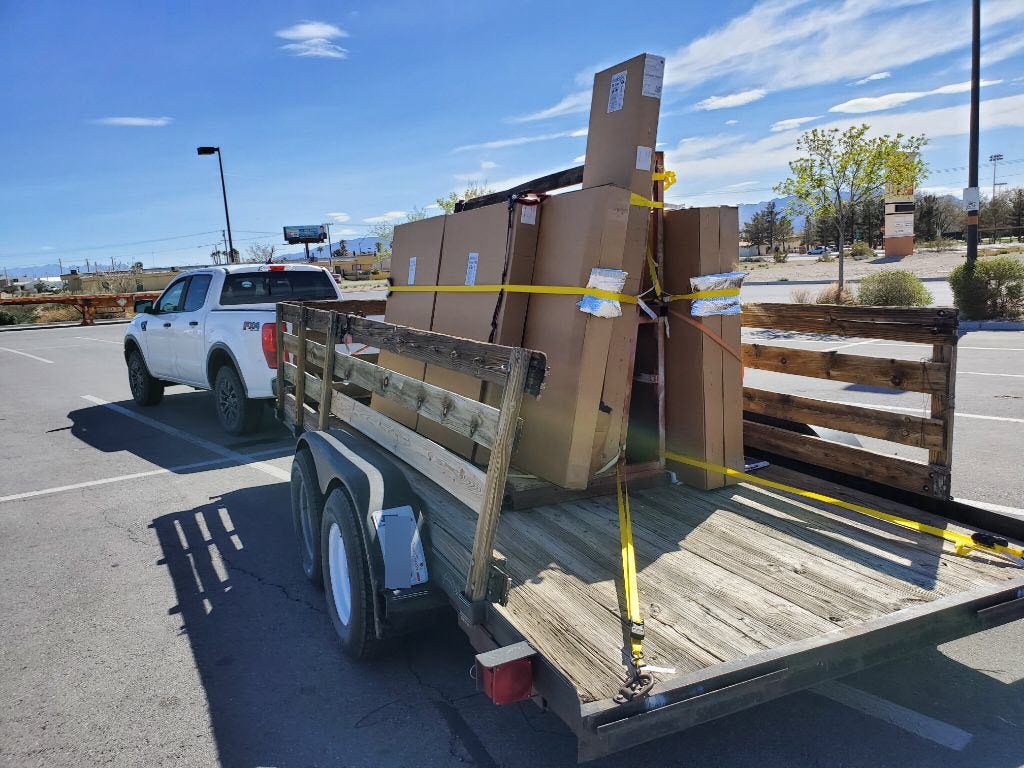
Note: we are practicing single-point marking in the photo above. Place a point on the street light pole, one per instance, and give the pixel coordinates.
(994, 159)
(972, 163)
(224, 192)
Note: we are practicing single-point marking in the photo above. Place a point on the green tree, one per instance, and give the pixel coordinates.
(1017, 213)
(995, 216)
(474, 189)
(755, 231)
(341, 252)
(260, 253)
(934, 214)
(838, 170)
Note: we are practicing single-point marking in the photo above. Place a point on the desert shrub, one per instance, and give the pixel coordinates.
(861, 250)
(893, 288)
(780, 257)
(57, 313)
(826, 257)
(832, 295)
(995, 289)
(15, 315)
(801, 296)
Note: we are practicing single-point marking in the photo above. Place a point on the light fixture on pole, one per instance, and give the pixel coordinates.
(224, 191)
(994, 159)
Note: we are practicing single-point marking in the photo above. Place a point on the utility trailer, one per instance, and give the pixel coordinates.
(748, 593)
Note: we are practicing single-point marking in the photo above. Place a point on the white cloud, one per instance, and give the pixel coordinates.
(791, 123)
(346, 232)
(571, 104)
(388, 216)
(487, 164)
(339, 217)
(732, 99)
(872, 78)
(313, 38)
(580, 159)
(695, 147)
(890, 100)
(135, 122)
(942, 190)
(731, 122)
(520, 140)
(1001, 50)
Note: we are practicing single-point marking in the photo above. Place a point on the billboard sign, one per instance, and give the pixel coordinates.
(306, 233)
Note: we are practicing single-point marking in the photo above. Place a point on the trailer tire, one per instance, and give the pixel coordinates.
(307, 510)
(146, 390)
(238, 415)
(346, 578)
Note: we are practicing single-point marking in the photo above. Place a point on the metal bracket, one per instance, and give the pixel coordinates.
(498, 583)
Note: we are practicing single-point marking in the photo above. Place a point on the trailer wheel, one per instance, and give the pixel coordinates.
(307, 509)
(238, 414)
(146, 390)
(347, 578)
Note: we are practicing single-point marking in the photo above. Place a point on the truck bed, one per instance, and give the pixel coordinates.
(723, 574)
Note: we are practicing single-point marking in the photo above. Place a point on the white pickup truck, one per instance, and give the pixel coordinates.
(214, 328)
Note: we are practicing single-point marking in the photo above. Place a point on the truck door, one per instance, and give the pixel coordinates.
(161, 328)
(189, 340)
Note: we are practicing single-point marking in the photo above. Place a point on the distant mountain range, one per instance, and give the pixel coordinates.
(747, 211)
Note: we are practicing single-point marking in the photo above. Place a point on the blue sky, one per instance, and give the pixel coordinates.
(352, 112)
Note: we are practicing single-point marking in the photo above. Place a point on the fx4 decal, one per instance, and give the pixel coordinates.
(250, 325)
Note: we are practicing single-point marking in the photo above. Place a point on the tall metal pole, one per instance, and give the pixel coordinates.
(972, 163)
(330, 248)
(227, 216)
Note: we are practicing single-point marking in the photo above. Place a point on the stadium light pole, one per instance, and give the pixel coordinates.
(224, 191)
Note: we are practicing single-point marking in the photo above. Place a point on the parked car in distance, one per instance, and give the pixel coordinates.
(816, 250)
(215, 328)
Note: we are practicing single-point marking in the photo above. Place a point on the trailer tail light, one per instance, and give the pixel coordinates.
(268, 334)
(506, 674)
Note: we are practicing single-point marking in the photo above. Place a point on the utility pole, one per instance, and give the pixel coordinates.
(224, 238)
(994, 159)
(972, 163)
(330, 248)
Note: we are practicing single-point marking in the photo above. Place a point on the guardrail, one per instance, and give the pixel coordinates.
(87, 304)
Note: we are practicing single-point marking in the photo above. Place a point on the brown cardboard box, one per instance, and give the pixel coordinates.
(581, 230)
(415, 260)
(624, 124)
(474, 253)
(703, 383)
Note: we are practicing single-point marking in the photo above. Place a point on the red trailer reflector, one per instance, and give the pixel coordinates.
(277, 267)
(268, 335)
(506, 674)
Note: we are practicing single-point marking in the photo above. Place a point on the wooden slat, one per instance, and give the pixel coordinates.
(327, 365)
(300, 365)
(930, 480)
(942, 406)
(352, 306)
(900, 428)
(923, 326)
(463, 415)
(487, 362)
(279, 374)
(912, 375)
(457, 476)
(547, 183)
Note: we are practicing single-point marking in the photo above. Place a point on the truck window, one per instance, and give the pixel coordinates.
(269, 287)
(170, 299)
(195, 296)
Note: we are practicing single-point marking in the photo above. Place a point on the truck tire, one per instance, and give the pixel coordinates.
(307, 509)
(347, 578)
(145, 389)
(237, 414)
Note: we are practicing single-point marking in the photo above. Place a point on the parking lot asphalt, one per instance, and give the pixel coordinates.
(154, 612)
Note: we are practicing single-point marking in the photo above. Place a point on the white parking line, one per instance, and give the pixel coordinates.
(909, 720)
(133, 476)
(851, 344)
(979, 373)
(220, 450)
(26, 354)
(104, 341)
(923, 412)
(1015, 511)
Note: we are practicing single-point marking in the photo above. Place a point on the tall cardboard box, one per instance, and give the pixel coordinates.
(624, 124)
(485, 246)
(415, 260)
(581, 230)
(703, 382)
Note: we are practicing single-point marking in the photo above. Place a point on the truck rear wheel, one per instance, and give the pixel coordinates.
(146, 390)
(347, 578)
(307, 509)
(237, 414)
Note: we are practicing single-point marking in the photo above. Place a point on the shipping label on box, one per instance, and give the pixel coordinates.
(654, 75)
(529, 214)
(412, 271)
(474, 259)
(644, 156)
(617, 92)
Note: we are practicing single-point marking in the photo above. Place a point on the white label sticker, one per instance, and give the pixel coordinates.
(412, 271)
(654, 74)
(529, 215)
(644, 155)
(617, 92)
(471, 268)
(972, 200)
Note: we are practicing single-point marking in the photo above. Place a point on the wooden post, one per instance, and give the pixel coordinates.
(497, 473)
(943, 407)
(300, 374)
(327, 390)
(279, 343)
(659, 258)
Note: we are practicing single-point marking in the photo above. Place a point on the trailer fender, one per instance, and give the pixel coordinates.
(374, 484)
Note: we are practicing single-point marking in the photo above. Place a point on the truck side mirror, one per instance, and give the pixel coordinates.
(144, 306)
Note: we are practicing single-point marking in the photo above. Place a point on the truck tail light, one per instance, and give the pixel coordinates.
(506, 674)
(268, 333)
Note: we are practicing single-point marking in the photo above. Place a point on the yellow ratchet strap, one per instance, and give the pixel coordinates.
(719, 293)
(653, 269)
(669, 177)
(632, 591)
(964, 543)
(564, 290)
(643, 202)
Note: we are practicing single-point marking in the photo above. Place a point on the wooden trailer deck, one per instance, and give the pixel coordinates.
(723, 574)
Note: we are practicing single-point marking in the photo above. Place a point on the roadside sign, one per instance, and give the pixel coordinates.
(972, 200)
(306, 233)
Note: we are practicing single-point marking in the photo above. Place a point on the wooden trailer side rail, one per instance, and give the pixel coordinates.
(319, 370)
(935, 377)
